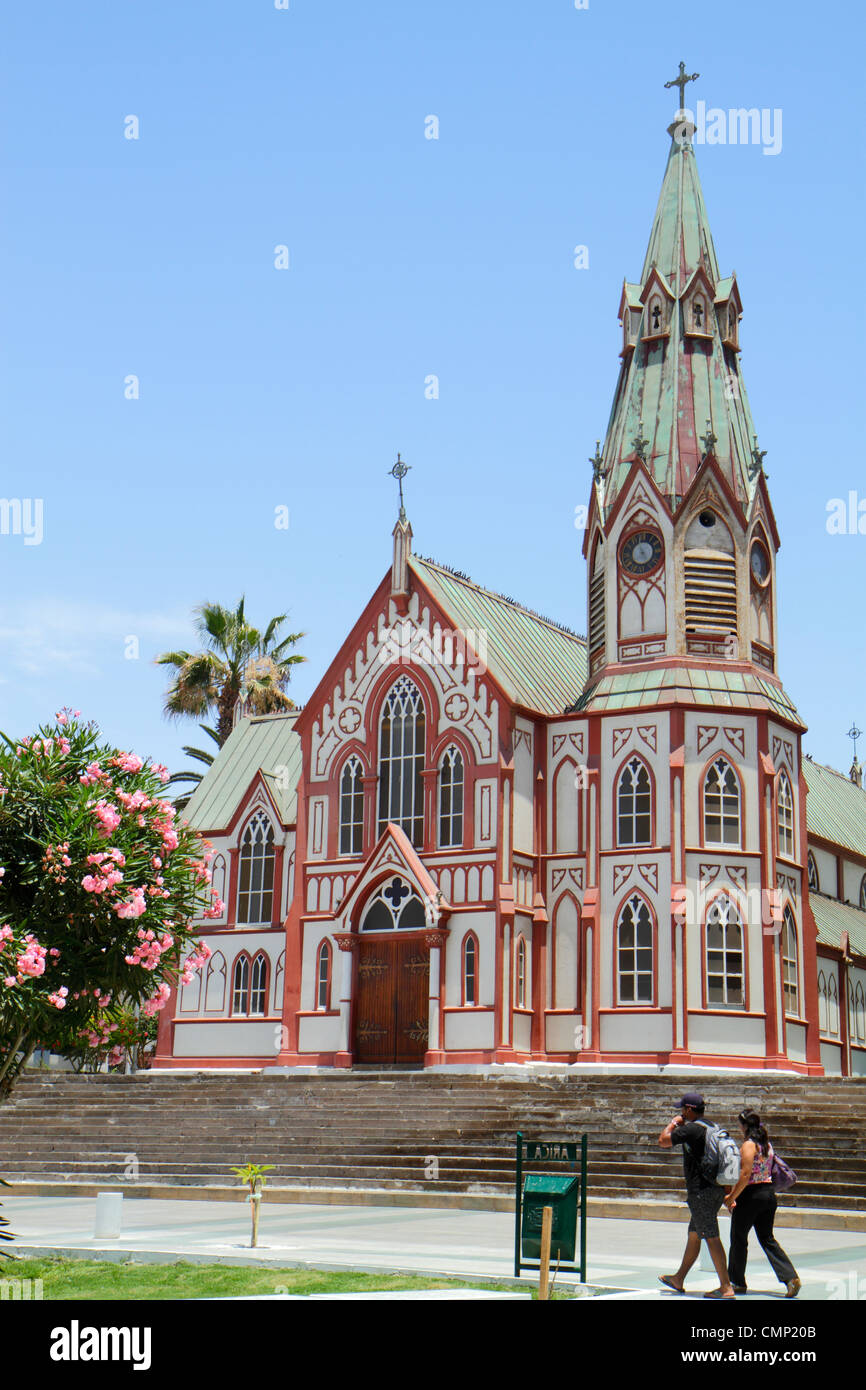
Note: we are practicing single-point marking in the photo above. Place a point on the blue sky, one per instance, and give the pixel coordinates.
(262, 388)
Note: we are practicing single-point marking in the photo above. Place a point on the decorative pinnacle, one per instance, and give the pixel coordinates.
(681, 81)
(758, 456)
(708, 440)
(639, 443)
(598, 469)
(399, 472)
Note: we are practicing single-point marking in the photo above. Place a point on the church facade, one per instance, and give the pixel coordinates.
(488, 840)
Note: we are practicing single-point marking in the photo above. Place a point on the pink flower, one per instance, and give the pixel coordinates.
(135, 907)
(128, 762)
(58, 999)
(108, 817)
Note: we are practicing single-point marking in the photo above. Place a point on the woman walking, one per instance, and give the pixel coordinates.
(752, 1202)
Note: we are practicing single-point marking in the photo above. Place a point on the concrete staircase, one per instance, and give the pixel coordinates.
(413, 1132)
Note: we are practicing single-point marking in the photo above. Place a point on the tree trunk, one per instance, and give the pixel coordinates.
(16, 1060)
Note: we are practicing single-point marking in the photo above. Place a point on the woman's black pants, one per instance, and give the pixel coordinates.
(756, 1206)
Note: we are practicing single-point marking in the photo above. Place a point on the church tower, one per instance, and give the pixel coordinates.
(681, 540)
(695, 936)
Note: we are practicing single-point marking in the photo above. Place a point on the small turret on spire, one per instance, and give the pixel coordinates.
(402, 534)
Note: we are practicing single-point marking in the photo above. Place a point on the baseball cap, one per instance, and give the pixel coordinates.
(692, 1098)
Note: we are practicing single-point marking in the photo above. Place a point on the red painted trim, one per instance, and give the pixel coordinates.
(232, 902)
(244, 812)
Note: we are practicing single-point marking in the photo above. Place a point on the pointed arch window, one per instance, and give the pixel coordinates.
(863, 892)
(634, 804)
(215, 984)
(722, 808)
(790, 965)
(823, 1023)
(859, 1014)
(828, 1005)
(258, 1002)
(725, 974)
(832, 1007)
(698, 314)
(250, 985)
(256, 878)
(451, 799)
(240, 984)
(395, 904)
(814, 884)
(352, 807)
(785, 816)
(323, 976)
(401, 761)
(520, 974)
(634, 952)
(470, 969)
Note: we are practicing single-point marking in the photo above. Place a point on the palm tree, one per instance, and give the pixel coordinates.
(201, 755)
(239, 663)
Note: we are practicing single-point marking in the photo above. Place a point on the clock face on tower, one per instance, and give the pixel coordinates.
(641, 552)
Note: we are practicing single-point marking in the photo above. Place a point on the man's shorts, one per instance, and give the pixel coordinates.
(704, 1205)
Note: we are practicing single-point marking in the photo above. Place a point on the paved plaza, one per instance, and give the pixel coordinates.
(624, 1256)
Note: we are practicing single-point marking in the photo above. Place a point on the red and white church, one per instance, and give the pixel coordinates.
(486, 840)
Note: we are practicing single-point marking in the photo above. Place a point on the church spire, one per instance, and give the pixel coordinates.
(402, 535)
(680, 366)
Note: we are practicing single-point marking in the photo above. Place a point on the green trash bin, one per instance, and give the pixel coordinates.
(563, 1195)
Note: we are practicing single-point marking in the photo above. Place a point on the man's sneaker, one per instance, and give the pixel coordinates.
(739, 1288)
(792, 1288)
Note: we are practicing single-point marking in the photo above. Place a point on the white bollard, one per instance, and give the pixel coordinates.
(109, 1214)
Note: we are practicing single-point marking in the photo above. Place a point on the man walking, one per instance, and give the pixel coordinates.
(704, 1197)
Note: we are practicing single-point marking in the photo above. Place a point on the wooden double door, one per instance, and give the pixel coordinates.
(391, 1000)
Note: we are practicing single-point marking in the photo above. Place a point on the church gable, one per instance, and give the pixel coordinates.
(448, 661)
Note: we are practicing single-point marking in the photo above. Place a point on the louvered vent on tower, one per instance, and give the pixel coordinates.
(711, 592)
(597, 608)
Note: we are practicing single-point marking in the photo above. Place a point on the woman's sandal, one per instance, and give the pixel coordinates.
(717, 1293)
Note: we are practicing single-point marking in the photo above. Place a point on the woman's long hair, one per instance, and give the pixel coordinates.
(751, 1122)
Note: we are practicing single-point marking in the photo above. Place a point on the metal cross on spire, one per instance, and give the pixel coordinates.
(399, 472)
(854, 733)
(681, 83)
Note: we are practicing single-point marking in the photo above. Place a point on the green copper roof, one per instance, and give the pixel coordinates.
(669, 387)
(832, 918)
(268, 742)
(538, 664)
(722, 689)
(835, 807)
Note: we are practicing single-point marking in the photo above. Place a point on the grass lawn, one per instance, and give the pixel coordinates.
(94, 1279)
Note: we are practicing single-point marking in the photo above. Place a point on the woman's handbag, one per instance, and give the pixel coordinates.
(781, 1176)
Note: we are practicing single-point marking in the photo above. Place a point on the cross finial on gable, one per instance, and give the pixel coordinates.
(399, 472)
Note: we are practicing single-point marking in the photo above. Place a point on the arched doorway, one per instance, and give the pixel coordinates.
(392, 991)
